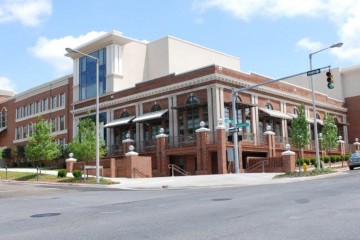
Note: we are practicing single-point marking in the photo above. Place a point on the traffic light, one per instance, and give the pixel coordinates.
(330, 80)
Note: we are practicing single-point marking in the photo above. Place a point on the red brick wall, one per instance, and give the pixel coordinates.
(353, 117)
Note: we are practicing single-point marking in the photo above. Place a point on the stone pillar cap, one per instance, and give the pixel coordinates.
(288, 153)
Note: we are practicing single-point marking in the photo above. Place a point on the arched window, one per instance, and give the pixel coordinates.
(269, 106)
(125, 114)
(295, 111)
(192, 100)
(155, 107)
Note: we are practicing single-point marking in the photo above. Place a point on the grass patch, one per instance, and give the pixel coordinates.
(32, 177)
(314, 172)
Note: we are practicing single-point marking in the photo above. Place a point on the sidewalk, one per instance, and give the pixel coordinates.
(199, 181)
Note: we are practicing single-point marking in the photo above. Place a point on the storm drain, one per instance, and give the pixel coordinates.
(45, 215)
(221, 199)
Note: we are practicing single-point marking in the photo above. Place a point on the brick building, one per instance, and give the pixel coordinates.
(173, 85)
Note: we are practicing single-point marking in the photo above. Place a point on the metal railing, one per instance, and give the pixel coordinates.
(136, 171)
(263, 163)
(181, 141)
(175, 168)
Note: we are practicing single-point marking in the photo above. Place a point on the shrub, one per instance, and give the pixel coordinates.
(338, 158)
(62, 173)
(333, 159)
(307, 161)
(327, 159)
(300, 161)
(313, 160)
(347, 156)
(76, 173)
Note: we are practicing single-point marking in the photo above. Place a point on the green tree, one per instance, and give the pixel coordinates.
(300, 134)
(329, 133)
(41, 146)
(84, 145)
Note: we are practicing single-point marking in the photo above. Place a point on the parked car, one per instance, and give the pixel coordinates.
(354, 160)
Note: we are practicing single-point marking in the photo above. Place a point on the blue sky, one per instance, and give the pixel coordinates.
(271, 37)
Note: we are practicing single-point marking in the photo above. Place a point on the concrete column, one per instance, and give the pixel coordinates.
(221, 147)
(161, 159)
(201, 147)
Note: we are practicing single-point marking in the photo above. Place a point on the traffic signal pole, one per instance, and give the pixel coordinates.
(234, 93)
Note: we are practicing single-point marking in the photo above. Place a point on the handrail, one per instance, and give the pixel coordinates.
(263, 162)
(176, 168)
(135, 170)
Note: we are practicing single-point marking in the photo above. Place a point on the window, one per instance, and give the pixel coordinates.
(25, 111)
(62, 141)
(269, 106)
(62, 100)
(31, 109)
(87, 74)
(18, 113)
(3, 118)
(62, 123)
(45, 104)
(296, 112)
(37, 107)
(53, 102)
(52, 125)
(17, 133)
(24, 132)
(125, 114)
(30, 129)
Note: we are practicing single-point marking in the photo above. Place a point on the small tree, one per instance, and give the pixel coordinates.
(84, 144)
(329, 133)
(300, 134)
(41, 145)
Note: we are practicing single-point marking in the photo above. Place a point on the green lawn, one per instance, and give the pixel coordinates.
(33, 177)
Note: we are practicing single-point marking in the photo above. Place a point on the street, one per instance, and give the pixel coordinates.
(326, 208)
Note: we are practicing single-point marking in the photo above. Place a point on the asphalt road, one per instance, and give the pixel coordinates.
(327, 208)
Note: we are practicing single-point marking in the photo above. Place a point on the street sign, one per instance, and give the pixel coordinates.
(245, 124)
(228, 120)
(233, 130)
(313, 72)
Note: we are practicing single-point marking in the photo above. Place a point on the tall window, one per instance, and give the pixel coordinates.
(62, 123)
(25, 111)
(17, 133)
(37, 107)
(62, 100)
(24, 132)
(45, 104)
(53, 125)
(18, 113)
(87, 74)
(53, 102)
(192, 115)
(30, 129)
(3, 118)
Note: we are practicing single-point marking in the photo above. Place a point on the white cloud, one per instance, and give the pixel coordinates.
(52, 51)
(6, 84)
(342, 13)
(305, 43)
(30, 13)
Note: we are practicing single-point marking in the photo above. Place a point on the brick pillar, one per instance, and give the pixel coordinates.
(201, 147)
(221, 148)
(270, 142)
(130, 157)
(70, 163)
(161, 159)
(341, 147)
(288, 161)
(357, 144)
(112, 168)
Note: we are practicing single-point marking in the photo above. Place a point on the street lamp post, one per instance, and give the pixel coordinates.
(69, 50)
(314, 105)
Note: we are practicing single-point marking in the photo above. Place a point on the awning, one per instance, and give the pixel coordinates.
(119, 122)
(311, 120)
(276, 114)
(3, 128)
(150, 116)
